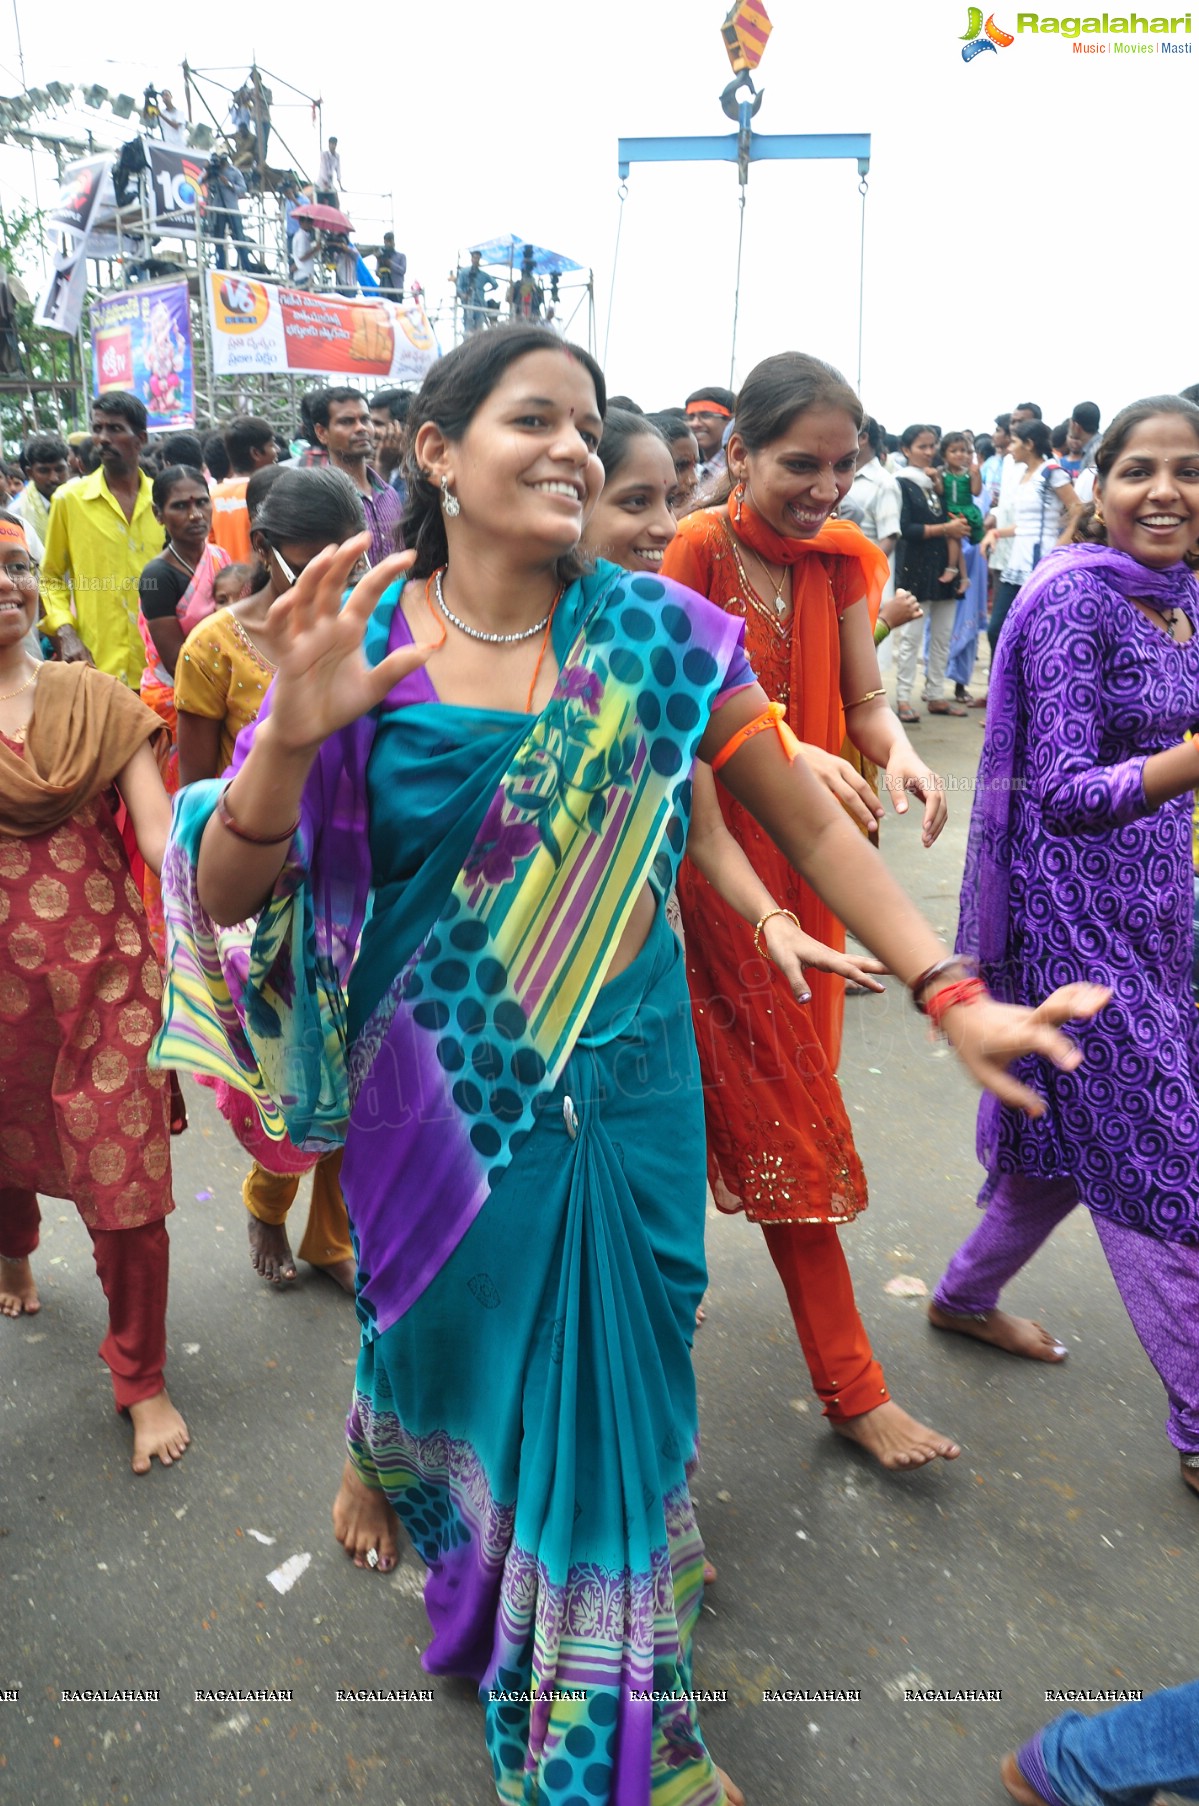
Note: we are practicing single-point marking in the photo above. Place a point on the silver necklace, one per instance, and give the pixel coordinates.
(173, 549)
(490, 639)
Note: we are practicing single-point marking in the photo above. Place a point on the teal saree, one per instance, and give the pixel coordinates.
(524, 1165)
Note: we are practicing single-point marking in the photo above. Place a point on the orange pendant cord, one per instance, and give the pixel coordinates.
(439, 620)
(545, 640)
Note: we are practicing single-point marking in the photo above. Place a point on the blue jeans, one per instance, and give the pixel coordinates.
(1121, 1757)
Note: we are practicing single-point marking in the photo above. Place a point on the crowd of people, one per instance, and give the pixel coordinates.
(431, 793)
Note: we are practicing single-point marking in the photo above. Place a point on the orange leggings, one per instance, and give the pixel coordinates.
(812, 1266)
(269, 1197)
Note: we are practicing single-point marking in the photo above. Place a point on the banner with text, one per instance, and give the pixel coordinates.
(141, 341)
(259, 326)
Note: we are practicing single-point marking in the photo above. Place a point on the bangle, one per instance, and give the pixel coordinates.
(953, 962)
(968, 990)
(225, 817)
(881, 630)
(769, 917)
(868, 697)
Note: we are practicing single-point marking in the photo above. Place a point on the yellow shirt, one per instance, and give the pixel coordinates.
(222, 675)
(94, 557)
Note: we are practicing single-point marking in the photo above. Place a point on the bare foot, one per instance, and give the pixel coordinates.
(341, 1272)
(1012, 1778)
(158, 1430)
(363, 1520)
(949, 574)
(270, 1252)
(1190, 1475)
(732, 1792)
(895, 1439)
(1016, 1335)
(18, 1289)
(700, 1315)
(710, 1569)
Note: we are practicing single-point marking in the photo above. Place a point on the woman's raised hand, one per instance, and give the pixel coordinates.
(987, 1036)
(322, 679)
(901, 608)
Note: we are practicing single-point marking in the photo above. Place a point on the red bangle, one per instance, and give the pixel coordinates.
(967, 990)
(224, 816)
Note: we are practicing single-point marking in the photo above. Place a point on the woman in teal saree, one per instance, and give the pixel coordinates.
(457, 819)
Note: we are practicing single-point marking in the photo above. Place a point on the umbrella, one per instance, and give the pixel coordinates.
(506, 253)
(325, 219)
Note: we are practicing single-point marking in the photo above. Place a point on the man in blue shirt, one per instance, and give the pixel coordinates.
(472, 286)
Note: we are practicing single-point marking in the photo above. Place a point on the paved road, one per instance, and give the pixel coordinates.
(1058, 1551)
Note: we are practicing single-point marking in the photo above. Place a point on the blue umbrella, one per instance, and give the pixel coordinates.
(509, 252)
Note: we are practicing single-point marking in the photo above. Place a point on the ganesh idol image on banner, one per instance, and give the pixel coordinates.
(141, 342)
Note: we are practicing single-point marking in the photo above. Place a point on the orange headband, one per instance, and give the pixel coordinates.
(10, 530)
(709, 407)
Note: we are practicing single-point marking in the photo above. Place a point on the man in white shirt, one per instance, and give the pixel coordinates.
(1083, 438)
(873, 499)
(328, 181)
(171, 123)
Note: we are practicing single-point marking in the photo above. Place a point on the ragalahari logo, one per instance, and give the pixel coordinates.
(974, 42)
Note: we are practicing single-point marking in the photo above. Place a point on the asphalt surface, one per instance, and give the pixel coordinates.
(1058, 1551)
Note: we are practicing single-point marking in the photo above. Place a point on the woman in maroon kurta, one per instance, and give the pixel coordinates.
(81, 1116)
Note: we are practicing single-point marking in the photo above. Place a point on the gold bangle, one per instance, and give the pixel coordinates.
(868, 697)
(769, 917)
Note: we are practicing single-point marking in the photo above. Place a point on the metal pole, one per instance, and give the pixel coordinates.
(37, 204)
(863, 187)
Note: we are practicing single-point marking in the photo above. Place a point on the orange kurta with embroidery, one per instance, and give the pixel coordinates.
(779, 1141)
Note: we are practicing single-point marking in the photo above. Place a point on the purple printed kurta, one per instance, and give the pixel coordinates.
(1070, 876)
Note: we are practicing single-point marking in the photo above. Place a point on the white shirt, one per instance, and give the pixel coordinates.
(1010, 474)
(874, 502)
(330, 171)
(1038, 519)
(172, 125)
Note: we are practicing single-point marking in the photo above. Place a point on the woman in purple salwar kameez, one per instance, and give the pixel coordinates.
(1079, 866)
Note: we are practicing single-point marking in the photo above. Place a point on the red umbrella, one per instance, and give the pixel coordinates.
(325, 219)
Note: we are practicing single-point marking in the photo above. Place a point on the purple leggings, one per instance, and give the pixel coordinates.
(1158, 1282)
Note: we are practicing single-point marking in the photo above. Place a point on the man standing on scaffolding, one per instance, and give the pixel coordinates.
(226, 189)
(472, 286)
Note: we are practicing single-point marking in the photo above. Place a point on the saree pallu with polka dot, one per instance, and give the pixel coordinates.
(524, 1165)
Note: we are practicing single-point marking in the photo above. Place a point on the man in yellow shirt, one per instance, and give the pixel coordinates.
(102, 534)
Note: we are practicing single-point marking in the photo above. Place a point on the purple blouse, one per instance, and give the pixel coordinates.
(1071, 876)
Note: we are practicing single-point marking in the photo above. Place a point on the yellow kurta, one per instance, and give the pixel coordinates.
(94, 557)
(222, 675)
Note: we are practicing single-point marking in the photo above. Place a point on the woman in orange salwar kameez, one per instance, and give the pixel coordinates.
(779, 1142)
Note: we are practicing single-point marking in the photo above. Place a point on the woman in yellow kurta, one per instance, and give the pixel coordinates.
(224, 670)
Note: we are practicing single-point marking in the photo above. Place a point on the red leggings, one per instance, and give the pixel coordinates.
(133, 1266)
(812, 1266)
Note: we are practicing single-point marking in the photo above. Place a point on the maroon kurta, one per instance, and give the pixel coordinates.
(81, 1116)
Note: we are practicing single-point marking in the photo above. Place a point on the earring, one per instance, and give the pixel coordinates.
(449, 501)
(1098, 516)
(738, 498)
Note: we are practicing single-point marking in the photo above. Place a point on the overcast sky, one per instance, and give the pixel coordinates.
(1030, 226)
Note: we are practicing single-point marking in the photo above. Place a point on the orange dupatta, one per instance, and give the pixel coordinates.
(778, 1138)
